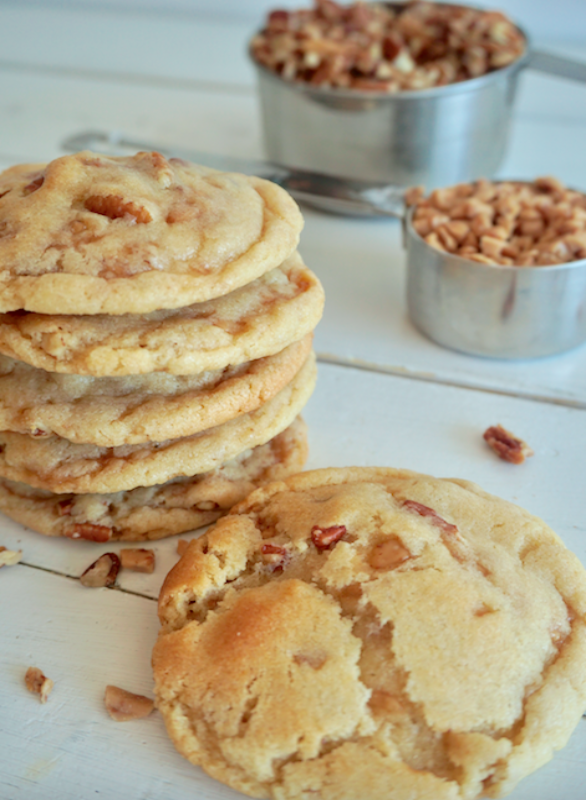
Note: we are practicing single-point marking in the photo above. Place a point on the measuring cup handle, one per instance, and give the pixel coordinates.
(557, 65)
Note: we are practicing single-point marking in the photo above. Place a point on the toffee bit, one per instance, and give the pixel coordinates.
(182, 545)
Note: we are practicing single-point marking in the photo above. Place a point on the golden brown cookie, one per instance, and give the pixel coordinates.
(94, 234)
(155, 512)
(58, 465)
(257, 320)
(132, 409)
(372, 633)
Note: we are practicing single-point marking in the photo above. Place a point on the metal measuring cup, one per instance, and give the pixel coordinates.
(435, 137)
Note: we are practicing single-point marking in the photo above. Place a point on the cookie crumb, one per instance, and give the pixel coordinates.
(182, 545)
(123, 706)
(506, 445)
(38, 683)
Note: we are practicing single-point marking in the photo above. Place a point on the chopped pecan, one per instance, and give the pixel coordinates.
(505, 445)
(274, 556)
(137, 559)
(123, 706)
(373, 47)
(89, 531)
(38, 683)
(326, 537)
(103, 572)
(8, 558)
(434, 517)
(114, 207)
(388, 555)
(64, 507)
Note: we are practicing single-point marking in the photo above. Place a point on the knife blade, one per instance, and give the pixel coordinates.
(341, 195)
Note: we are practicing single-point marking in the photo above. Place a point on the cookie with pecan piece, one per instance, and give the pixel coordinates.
(257, 320)
(58, 465)
(96, 234)
(155, 512)
(138, 408)
(368, 633)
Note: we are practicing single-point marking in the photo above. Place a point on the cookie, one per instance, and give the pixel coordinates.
(257, 320)
(139, 408)
(58, 465)
(156, 512)
(94, 234)
(372, 633)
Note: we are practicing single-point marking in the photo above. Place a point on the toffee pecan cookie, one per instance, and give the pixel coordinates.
(132, 409)
(155, 512)
(372, 633)
(254, 321)
(58, 465)
(94, 234)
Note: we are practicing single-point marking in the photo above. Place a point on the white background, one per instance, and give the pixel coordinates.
(544, 20)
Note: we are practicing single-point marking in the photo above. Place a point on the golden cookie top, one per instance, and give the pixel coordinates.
(370, 628)
(88, 234)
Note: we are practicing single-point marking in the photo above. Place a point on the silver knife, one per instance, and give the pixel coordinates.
(342, 195)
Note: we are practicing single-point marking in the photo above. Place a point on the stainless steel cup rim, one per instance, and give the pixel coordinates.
(547, 269)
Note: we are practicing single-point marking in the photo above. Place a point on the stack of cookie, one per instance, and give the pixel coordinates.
(157, 344)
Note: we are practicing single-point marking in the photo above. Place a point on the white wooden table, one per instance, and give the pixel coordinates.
(385, 395)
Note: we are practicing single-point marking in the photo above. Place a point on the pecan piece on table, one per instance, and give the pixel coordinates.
(38, 683)
(103, 572)
(123, 706)
(505, 445)
(326, 537)
(8, 558)
(137, 559)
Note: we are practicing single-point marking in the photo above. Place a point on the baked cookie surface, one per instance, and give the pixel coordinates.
(94, 234)
(155, 512)
(58, 465)
(257, 320)
(138, 408)
(372, 633)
